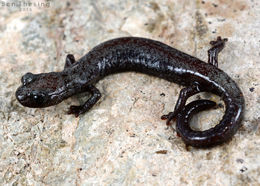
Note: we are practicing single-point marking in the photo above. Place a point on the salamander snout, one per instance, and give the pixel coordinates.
(20, 97)
(34, 99)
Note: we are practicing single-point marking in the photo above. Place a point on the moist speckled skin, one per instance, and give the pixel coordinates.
(149, 57)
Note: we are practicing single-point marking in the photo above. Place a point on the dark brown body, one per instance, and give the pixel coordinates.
(149, 57)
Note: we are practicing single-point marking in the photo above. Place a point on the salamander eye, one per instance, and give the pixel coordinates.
(27, 78)
(38, 99)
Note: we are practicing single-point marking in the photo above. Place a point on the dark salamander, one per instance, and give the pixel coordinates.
(149, 57)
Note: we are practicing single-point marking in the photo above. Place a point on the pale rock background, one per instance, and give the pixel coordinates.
(117, 142)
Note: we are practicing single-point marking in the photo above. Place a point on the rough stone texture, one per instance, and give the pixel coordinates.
(122, 140)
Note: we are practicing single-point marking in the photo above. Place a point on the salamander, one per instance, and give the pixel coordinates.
(153, 58)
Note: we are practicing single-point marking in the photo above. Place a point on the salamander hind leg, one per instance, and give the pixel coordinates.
(217, 46)
(184, 95)
(95, 96)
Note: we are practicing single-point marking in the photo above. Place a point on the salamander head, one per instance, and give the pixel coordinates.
(41, 90)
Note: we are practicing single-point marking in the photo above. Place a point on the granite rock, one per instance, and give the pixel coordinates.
(122, 141)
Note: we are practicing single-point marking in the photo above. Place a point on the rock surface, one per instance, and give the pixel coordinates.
(122, 140)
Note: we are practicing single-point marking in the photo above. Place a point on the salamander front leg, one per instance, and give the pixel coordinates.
(184, 95)
(95, 96)
(70, 60)
(217, 46)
